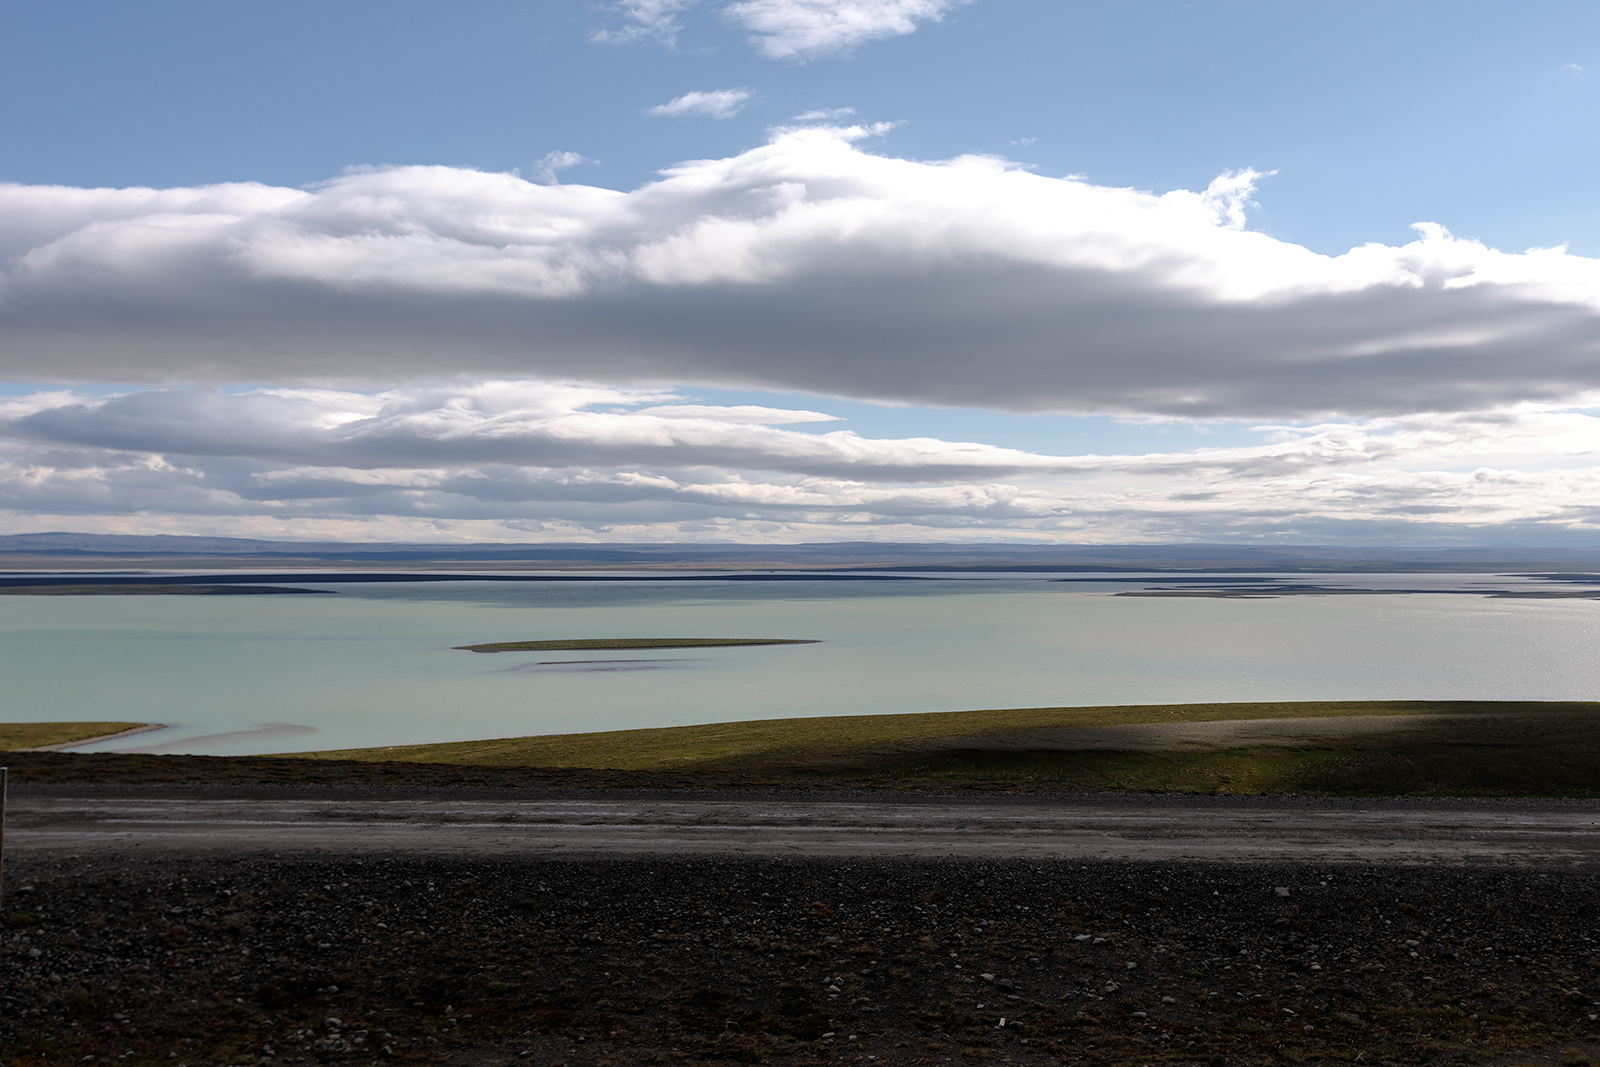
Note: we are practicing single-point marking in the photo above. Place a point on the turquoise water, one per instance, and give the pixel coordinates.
(373, 665)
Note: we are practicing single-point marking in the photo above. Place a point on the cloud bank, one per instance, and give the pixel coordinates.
(806, 264)
(513, 460)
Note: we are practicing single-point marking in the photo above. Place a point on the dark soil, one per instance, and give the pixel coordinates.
(194, 962)
(122, 768)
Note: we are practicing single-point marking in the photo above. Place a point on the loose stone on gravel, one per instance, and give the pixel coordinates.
(473, 963)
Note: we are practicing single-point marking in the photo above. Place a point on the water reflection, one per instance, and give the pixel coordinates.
(588, 666)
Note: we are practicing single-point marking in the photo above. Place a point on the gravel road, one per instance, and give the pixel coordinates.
(778, 824)
(192, 926)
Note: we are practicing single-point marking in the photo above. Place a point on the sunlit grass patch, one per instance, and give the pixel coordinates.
(14, 735)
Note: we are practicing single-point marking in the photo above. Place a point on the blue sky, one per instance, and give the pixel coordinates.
(1375, 115)
(1432, 390)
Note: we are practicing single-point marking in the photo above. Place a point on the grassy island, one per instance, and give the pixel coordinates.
(154, 589)
(609, 644)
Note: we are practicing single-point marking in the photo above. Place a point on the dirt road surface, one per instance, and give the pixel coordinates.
(621, 823)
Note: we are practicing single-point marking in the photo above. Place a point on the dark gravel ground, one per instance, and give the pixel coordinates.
(197, 962)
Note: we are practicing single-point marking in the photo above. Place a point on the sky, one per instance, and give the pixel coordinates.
(802, 270)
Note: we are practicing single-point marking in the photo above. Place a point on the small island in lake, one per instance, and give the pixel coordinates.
(152, 589)
(617, 643)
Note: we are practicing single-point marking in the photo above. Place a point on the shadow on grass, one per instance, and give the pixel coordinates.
(1538, 755)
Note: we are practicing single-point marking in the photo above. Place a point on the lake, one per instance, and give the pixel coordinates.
(373, 665)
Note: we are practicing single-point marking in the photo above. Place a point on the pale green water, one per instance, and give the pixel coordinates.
(373, 666)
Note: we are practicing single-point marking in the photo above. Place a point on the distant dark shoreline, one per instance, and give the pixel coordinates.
(271, 582)
(146, 588)
(1253, 587)
(65, 551)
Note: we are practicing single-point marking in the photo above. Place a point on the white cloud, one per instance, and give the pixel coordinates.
(751, 413)
(826, 114)
(806, 29)
(806, 264)
(1228, 195)
(717, 104)
(783, 29)
(552, 164)
(656, 20)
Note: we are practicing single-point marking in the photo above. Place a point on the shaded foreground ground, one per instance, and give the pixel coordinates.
(266, 957)
(193, 961)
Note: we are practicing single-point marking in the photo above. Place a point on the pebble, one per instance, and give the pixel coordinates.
(1233, 930)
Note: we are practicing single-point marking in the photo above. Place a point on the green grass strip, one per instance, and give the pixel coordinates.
(841, 739)
(15, 735)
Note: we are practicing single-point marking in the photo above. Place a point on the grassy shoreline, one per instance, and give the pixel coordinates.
(1457, 748)
(1416, 748)
(22, 736)
(850, 737)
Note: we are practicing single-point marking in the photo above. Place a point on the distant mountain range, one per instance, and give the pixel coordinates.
(75, 550)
